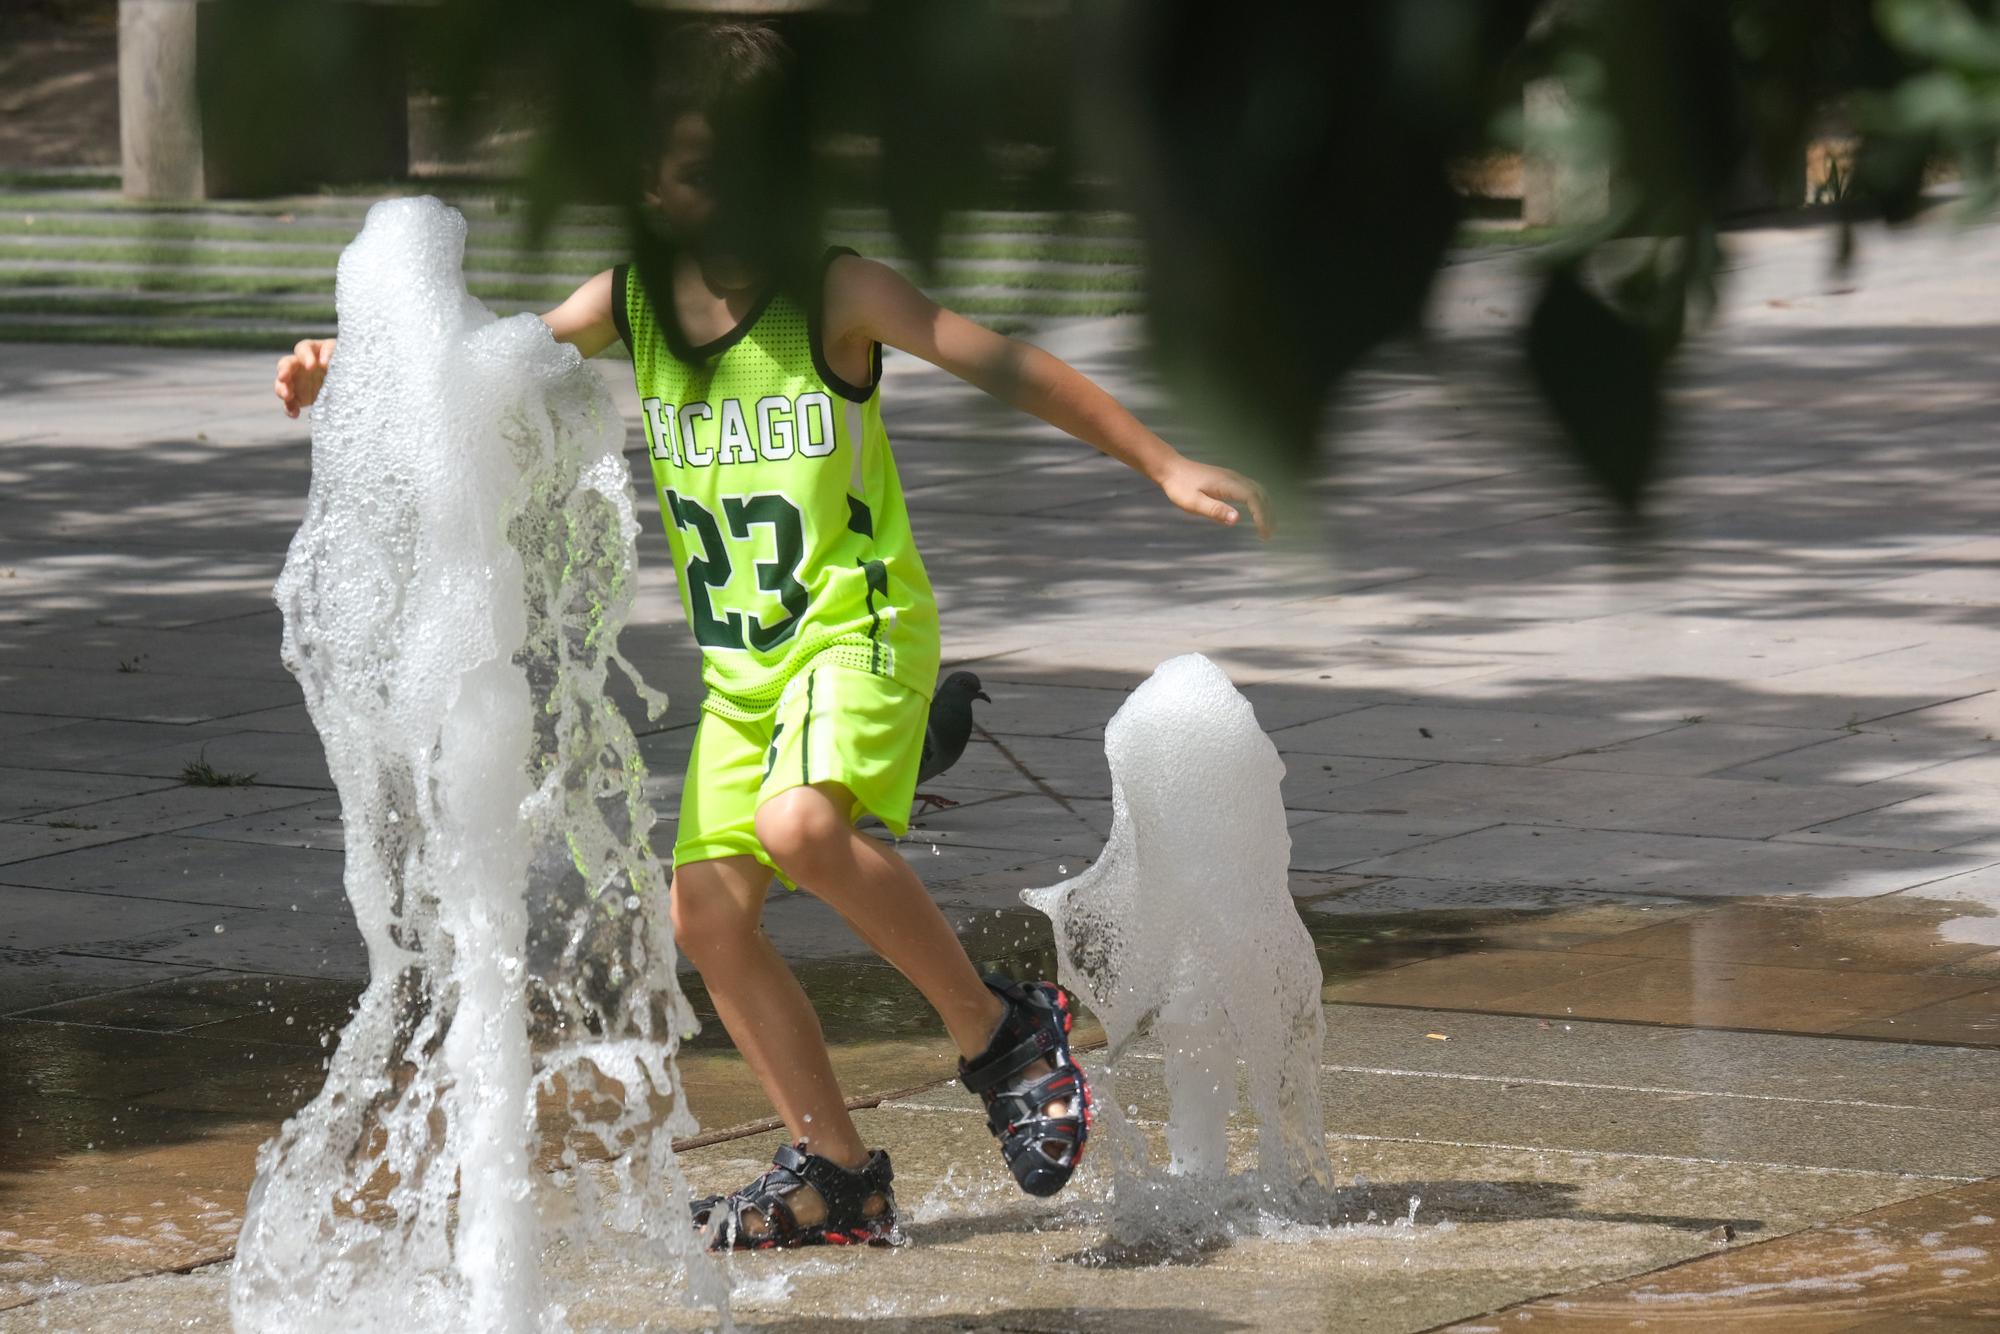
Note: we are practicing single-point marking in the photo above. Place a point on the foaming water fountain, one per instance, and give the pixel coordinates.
(1184, 930)
(500, 1112)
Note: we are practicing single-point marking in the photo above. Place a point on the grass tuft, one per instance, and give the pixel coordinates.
(200, 773)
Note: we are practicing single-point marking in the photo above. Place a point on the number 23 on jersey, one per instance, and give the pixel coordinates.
(716, 623)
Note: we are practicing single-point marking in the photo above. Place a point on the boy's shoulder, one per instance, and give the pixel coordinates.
(863, 293)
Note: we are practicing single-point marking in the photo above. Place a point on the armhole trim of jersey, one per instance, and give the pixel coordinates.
(620, 314)
(815, 310)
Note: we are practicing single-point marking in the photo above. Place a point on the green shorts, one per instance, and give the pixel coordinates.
(833, 724)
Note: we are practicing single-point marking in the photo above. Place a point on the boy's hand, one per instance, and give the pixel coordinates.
(302, 373)
(1202, 489)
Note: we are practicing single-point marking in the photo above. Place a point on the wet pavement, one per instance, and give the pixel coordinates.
(1656, 882)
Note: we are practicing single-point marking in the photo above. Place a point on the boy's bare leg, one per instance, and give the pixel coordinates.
(806, 831)
(717, 908)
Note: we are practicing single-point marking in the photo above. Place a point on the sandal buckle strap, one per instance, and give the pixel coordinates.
(845, 1194)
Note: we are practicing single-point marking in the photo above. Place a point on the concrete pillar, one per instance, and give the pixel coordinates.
(1559, 184)
(159, 111)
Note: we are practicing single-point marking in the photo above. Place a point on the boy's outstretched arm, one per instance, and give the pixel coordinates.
(870, 302)
(583, 320)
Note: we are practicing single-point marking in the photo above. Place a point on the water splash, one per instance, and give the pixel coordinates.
(452, 607)
(1185, 929)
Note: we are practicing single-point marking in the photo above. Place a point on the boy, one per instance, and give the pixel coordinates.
(819, 639)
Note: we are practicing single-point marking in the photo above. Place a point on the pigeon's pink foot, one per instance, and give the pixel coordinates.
(930, 801)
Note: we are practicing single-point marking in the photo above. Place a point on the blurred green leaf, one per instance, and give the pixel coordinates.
(331, 110)
(1292, 183)
(1601, 373)
(933, 66)
(1289, 168)
(1944, 31)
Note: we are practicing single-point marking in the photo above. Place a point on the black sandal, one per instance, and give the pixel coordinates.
(1041, 1150)
(844, 1191)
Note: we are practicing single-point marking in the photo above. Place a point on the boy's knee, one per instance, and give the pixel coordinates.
(708, 921)
(802, 831)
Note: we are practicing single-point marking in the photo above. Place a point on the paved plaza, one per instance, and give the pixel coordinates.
(1655, 873)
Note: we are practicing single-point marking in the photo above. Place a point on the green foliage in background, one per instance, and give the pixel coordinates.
(1289, 165)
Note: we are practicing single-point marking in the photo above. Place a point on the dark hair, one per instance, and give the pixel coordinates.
(716, 69)
(742, 78)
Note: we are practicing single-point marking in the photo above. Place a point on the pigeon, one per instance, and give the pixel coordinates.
(949, 728)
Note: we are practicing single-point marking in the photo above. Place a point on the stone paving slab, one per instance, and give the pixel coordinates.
(1957, 821)
(94, 745)
(1976, 774)
(173, 809)
(1695, 749)
(26, 792)
(180, 869)
(20, 842)
(1328, 842)
(1633, 692)
(1958, 1019)
(283, 718)
(140, 696)
(1827, 936)
(1415, 732)
(1864, 755)
(280, 759)
(1644, 803)
(30, 978)
(1488, 900)
(61, 921)
(1319, 782)
(312, 824)
(1660, 1122)
(1670, 863)
(1786, 1070)
(1012, 822)
(302, 944)
(1925, 1263)
(1976, 890)
(234, 648)
(1675, 991)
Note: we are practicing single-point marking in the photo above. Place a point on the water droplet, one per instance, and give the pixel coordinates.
(632, 902)
(218, 928)
(934, 851)
(288, 1021)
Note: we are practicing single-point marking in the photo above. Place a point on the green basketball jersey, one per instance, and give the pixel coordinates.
(781, 502)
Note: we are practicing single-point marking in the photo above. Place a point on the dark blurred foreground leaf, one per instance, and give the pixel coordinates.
(933, 67)
(587, 67)
(1289, 165)
(299, 95)
(1601, 374)
(1292, 184)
